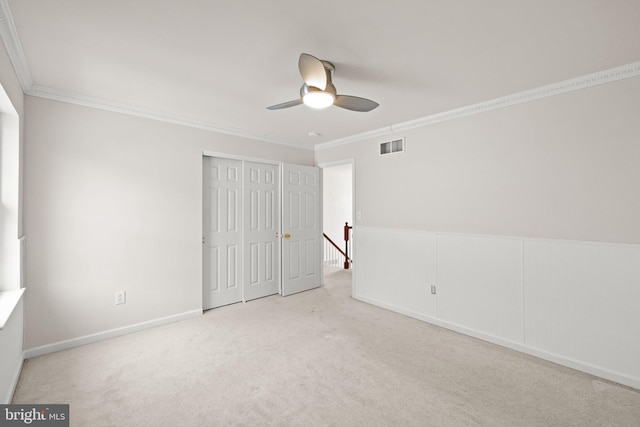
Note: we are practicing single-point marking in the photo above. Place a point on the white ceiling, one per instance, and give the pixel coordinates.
(223, 62)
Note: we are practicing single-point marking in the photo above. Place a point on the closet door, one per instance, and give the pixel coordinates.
(222, 240)
(261, 226)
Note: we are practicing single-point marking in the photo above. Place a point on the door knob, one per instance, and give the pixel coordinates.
(287, 236)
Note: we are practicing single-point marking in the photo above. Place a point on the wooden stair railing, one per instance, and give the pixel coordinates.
(347, 233)
(345, 252)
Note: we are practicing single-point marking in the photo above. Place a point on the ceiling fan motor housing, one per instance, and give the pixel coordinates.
(305, 89)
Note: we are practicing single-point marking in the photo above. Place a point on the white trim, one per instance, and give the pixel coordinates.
(100, 336)
(320, 212)
(387, 130)
(14, 48)
(220, 155)
(551, 357)
(14, 382)
(523, 291)
(349, 161)
(606, 76)
(498, 236)
(8, 302)
(103, 104)
(354, 220)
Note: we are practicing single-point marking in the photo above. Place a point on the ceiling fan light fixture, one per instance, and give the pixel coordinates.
(318, 99)
(318, 90)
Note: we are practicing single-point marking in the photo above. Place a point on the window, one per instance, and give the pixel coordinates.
(9, 179)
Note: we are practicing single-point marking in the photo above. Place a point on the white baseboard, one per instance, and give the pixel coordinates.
(560, 360)
(87, 339)
(14, 383)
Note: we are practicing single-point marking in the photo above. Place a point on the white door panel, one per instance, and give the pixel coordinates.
(222, 257)
(261, 225)
(301, 227)
(244, 209)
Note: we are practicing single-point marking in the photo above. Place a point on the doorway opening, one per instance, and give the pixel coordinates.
(337, 213)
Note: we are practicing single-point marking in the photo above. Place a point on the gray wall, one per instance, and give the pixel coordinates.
(562, 167)
(114, 202)
(525, 218)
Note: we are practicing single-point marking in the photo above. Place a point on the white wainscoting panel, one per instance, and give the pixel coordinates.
(480, 284)
(398, 269)
(583, 302)
(574, 303)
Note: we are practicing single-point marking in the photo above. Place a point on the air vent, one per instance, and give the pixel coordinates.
(390, 147)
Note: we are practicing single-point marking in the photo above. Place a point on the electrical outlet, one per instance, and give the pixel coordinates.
(433, 289)
(121, 297)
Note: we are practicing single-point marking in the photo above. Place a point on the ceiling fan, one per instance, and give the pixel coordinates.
(318, 90)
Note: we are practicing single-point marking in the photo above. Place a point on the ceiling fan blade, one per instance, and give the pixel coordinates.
(355, 103)
(285, 105)
(312, 71)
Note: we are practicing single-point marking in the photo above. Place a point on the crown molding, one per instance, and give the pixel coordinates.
(606, 76)
(14, 48)
(9, 36)
(103, 104)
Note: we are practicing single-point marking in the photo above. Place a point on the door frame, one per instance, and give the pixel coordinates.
(349, 161)
(206, 153)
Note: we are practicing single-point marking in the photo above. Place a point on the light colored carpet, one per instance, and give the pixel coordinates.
(316, 358)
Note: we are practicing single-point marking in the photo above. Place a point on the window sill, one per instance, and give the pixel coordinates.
(8, 302)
